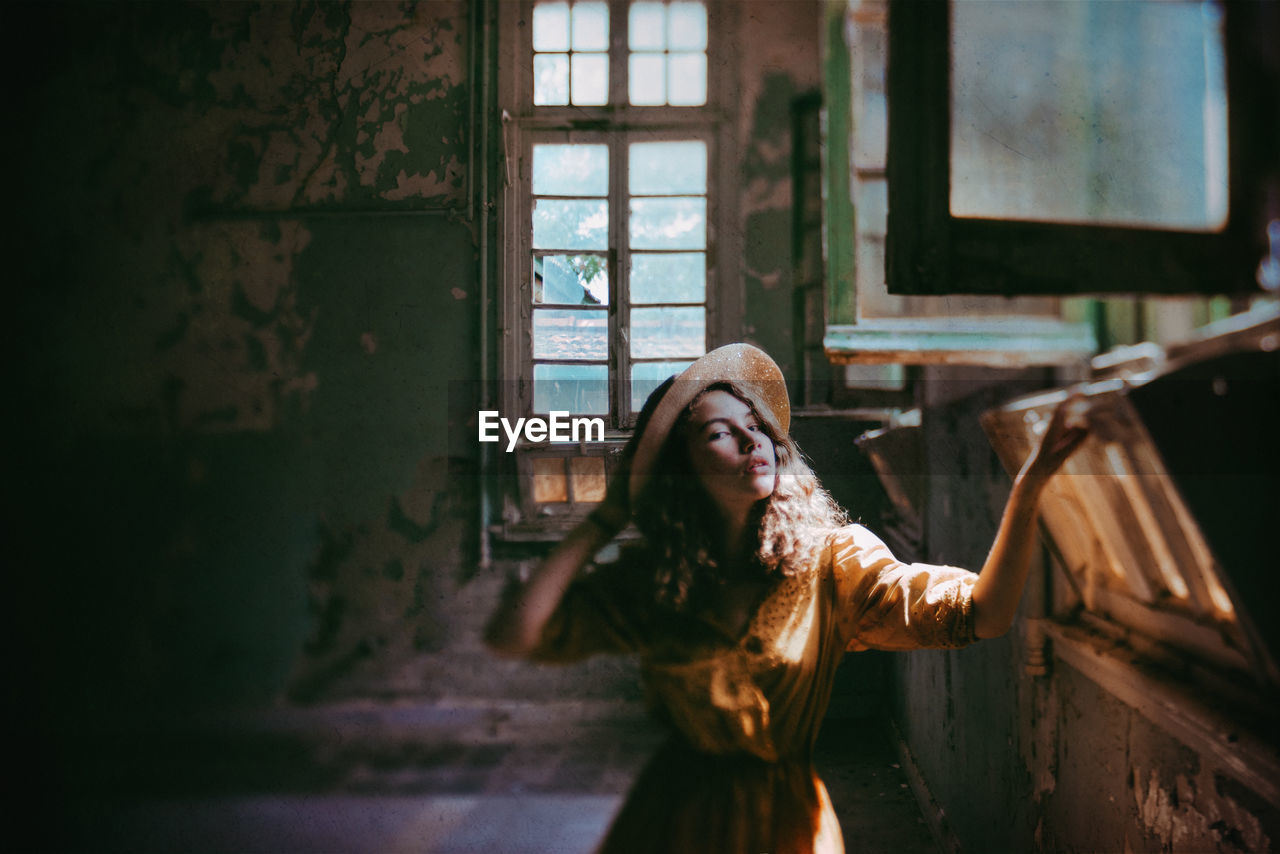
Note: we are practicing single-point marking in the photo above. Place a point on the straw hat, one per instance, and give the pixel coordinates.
(742, 364)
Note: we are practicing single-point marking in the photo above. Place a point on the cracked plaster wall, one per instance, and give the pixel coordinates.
(248, 319)
(778, 62)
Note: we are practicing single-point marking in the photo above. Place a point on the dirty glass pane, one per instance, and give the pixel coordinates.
(590, 78)
(550, 79)
(647, 79)
(647, 376)
(1090, 112)
(570, 334)
(549, 485)
(668, 223)
(571, 279)
(668, 332)
(571, 170)
(647, 26)
(570, 224)
(587, 476)
(582, 389)
(688, 76)
(687, 26)
(678, 277)
(551, 27)
(590, 26)
(667, 168)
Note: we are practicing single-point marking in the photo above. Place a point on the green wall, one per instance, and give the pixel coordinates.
(248, 315)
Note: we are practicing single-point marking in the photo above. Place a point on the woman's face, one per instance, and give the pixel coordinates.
(729, 451)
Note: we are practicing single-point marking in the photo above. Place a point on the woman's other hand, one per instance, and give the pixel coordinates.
(614, 512)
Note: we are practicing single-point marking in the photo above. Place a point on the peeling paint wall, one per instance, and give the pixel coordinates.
(778, 62)
(249, 320)
(1147, 791)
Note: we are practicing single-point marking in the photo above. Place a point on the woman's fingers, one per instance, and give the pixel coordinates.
(1068, 428)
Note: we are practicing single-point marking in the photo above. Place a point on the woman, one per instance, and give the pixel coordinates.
(747, 588)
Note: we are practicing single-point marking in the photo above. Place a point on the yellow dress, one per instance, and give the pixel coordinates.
(736, 774)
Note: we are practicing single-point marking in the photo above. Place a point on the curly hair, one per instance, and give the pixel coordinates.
(788, 529)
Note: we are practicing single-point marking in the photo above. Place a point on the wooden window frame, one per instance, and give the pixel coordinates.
(1128, 548)
(932, 252)
(617, 124)
(985, 331)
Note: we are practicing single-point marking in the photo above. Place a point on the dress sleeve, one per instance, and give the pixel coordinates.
(883, 603)
(601, 612)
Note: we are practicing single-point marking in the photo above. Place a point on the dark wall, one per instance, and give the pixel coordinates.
(247, 278)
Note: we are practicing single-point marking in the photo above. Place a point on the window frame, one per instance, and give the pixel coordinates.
(1123, 541)
(617, 124)
(621, 414)
(932, 252)
(982, 331)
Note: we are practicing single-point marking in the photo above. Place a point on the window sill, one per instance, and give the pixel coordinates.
(549, 530)
(995, 342)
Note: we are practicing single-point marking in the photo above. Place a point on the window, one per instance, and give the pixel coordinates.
(866, 324)
(1157, 522)
(1092, 151)
(611, 220)
(657, 257)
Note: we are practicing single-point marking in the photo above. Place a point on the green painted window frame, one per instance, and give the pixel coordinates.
(853, 338)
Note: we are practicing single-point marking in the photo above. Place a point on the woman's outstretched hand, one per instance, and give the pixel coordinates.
(999, 586)
(1067, 430)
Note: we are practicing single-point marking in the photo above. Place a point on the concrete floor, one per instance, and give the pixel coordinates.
(439, 779)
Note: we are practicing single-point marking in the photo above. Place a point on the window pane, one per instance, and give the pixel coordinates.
(549, 484)
(570, 224)
(587, 475)
(550, 78)
(590, 78)
(551, 27)
(678, 277)
(688, 78)
(647, 79)
(571, 170)
(582, 389)
(668, 223)
(667, 168)
(570, 334)
(668, 332)
(590, 26)
(647, 26)
(688, 26)
(647, 376)
(1092, 112)
(571, 279)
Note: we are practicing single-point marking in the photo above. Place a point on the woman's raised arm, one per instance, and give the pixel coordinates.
(1000, 583)
(516, 627)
